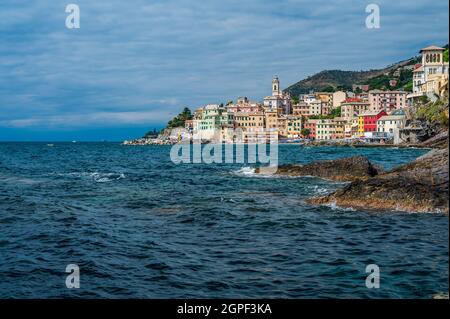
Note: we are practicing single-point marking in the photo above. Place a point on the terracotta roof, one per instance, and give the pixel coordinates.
(352, 99)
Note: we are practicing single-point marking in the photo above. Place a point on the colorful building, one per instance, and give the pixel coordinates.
(294, 126)
(367, 121)
(390, 123)
(352, 107)
(325, 129)
(340, 124)
(311, 125)
(387, 100)
(301, 109)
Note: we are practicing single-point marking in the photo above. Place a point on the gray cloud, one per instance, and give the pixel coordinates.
(153, 58)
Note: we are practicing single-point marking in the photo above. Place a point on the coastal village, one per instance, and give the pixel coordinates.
(362, 114)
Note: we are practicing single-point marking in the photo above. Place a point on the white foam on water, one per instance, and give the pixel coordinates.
(18, 180)
(319, 190)
(246, 171)
(97, 176)
(251, 172)
(435, 211)
(334, 206)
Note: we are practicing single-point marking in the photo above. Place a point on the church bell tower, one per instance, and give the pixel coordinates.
(276, 87)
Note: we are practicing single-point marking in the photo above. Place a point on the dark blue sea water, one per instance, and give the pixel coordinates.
(140, 226)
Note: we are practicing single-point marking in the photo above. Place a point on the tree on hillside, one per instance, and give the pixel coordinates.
(408, 86)
(151, 134)
(180, 119)
(445, 55)
(305, 132)
(328, 88)
(335, 112)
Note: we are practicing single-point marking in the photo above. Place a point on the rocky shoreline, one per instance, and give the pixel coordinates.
(342, 170)
(419, 186)
(148, 141)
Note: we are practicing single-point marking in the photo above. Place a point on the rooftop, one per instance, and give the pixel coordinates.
(370, 113)
(391, 117)
(432, 48)
(387, 92)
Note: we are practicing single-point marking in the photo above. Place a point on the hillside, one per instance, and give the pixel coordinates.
(331, 80)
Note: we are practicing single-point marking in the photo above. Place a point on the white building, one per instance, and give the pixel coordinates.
(208, 122)
(389, 123)
(278, 100)
(431, 77)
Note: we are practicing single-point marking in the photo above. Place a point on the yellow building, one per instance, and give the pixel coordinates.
(271, 117)
(251, 124)
(340, 123)
(360, 125)
(282, 126)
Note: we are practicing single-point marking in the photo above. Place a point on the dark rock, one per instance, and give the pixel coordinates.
(344, 169)
(438, 141)
(418, 131)
(419, 186)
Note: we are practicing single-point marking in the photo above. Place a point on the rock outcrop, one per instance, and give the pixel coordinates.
(418, 131)
(440, 140)
(344, 169)
(420, 186)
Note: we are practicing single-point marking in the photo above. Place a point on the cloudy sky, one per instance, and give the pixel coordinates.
(134, 64)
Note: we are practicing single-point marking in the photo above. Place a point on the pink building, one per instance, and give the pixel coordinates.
(387, 100)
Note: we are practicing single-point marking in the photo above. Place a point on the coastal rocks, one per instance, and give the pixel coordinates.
(418, 131)
(347, 143)
(344, 169)
(148, 141)
(420, 186)
(438, 141)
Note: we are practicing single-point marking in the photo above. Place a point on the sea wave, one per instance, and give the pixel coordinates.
(319, 190)
(97, 177)
(334, 206)
(18, 180)
(251, 172)
(246, 171)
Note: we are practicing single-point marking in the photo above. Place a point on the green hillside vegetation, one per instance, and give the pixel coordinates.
(333, 113)
(151, 134)
(381, 82)
(434, 112)
(180, 119)
(338, 80)
(330, 81)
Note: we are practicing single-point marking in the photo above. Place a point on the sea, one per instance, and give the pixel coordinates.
(136, 225)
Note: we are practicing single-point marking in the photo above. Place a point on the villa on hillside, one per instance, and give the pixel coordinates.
(430, 78)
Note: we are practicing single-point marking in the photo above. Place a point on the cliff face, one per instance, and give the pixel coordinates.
(420, 186)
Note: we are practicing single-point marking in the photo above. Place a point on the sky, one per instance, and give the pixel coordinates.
(134, 64)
